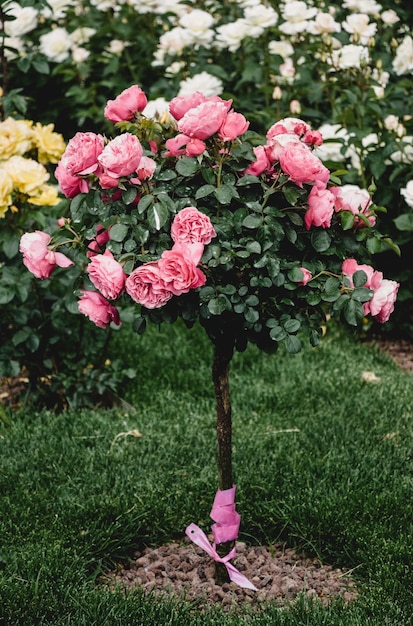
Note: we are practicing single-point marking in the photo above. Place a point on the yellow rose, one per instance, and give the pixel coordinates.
(45, 195)
(6, 188)
(26, 174)
(50, 144)
(16, 137)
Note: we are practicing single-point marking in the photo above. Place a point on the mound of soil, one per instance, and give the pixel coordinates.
(279, 573)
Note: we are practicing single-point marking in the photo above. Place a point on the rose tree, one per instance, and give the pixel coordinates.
(196, 216)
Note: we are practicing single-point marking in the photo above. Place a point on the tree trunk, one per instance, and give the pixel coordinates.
(220, 376)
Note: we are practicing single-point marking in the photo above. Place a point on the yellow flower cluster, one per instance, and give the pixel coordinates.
(25, 150)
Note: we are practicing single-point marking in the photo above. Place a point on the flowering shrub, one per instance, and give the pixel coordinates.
(39, 339)
(346, 67)
(201, 218)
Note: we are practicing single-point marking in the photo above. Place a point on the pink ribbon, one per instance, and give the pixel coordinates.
(226, 526)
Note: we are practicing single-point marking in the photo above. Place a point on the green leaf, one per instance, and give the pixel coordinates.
(278, 333)
(129, 195)
(296, 275)
(293, 344)
(321, 240)
(251, 315)
(373, 245)
(347, 219)
(361, 294)
(7, 294)
(248, 179)
(225, 193)
(292, 325)
(359, 278)
(41, 66)
(145, 202)
(139, 325)
(253, 247)
(76, 206)
(332, 286)
(291, 195)
(118, 232)
(158, 214)
(204, 191)
(353, 312)
(218, 305)
(252, 221)
(187, 166)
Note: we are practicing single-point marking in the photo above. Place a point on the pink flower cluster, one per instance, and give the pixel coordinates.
(289, 144)
(199, 118)
(381, 306)
(154, 283)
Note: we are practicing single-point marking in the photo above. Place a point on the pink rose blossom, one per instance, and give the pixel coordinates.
(233, 126)
(178, 268)
(350, 266)
(356, 200)
(98, 309)
(291, 125)
(382, 302)
(307, 276)
(107, 275)
(182, 144)
(302, 165)
(204, 120)
(70, 185)
(146, 286)
(320, 206)
(121, 156)
(275, 146)
(131, 101)
(192, 226)
(181, 104)
(312, 137)
(146, 168)
(37, 257)
(81, 155)
(261, 164)
(96, 245)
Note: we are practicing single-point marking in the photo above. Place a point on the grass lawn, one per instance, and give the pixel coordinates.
(322, 460)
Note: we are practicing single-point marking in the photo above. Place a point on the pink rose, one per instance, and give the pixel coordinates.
(320, 206)
(178, 268)
(182, 144)
(313, 137)
(123, 108)
(121, 156)
(81, 155)
(146, 286)
(356, 200)
(192, 226)
(107, 275)
(291, 125)
(382, 302)
(302, 165)
(70, 185)
(146, 168)
(275, 146)
(37, 257)
(261, 164)
(181, 104)
(233, 126)
(98, 309)
(204, 120)
(96, 245)
(307, 276)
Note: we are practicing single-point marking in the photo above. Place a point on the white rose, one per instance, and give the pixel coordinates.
(26, 20)
(325, 23)
(156, 108)
(358, 25)
(350, 56)
(407, 193)
(205, 83)
(403, 61)
(197, 24)
(335, 138)
(116, 46)
(82, 35)
(283, 48)
(231, 35)
(56, 45)
(79, 54)
(57, 10)
(390, 17)
(174, 41)
(259, 18)
(363, 6)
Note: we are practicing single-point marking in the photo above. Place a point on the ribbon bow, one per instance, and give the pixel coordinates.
(226, 526)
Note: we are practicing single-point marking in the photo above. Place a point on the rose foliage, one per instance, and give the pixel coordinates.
(199, 217)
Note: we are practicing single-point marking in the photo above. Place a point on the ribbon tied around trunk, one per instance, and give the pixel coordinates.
(226, 527)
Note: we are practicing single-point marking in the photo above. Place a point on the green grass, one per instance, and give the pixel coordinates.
(322, 460)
